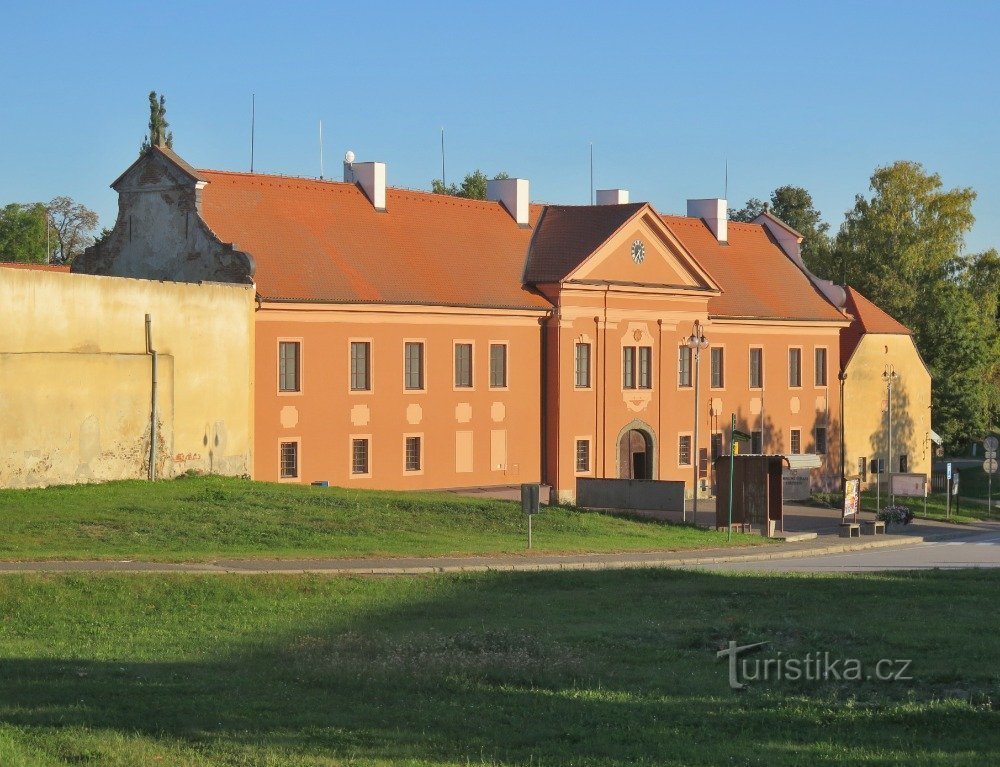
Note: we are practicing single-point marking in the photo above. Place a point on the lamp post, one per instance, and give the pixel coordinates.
(696, 341)
(889, 375)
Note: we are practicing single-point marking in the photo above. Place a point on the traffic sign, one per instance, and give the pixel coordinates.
(990, 465)
(990, 454)
(991, 443)
(741, 435)
(949, 470)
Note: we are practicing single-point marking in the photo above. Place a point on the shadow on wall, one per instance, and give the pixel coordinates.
(903, 437)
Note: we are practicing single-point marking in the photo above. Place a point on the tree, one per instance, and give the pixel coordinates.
(748, 212)
(473, 186)
(71, 225)
(22, 233)
(982, 279)
(158, 134)
(794, 206)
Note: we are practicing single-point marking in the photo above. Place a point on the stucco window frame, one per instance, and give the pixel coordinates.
(689, 386)
(371, 366)
(472, 364)
(691, 451)
(788, 366)
(792, 429)
(589, 439)
(590, 365)
(505, 343)
(826, 439)
(423, 365)
(826, 371)
(297, 441)
(763, 380)
(350, 456)
(277, 373)
(722, 443)
(722, 348)
(411, 472)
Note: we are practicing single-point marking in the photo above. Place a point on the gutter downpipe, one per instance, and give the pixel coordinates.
(604, 387)
(659, 394)
(152, 409)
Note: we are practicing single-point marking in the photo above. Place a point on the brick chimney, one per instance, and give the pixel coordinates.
(612, 196)
(370, 176)
(714, 212)
(512, 193)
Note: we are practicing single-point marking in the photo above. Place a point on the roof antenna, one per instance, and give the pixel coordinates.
(725, 194)
(443, 184)
(320, 150)
(591, 172)
(349, 159)
(253, 125)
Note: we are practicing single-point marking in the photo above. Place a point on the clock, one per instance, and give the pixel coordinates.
(638, 251)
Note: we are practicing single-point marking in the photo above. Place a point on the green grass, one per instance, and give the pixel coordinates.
(936, 507)
(210, 517)
(611, 668)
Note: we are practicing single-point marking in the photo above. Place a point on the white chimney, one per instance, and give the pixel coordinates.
(715, 213)
(513, 194)
(370, 176)
(612, 196)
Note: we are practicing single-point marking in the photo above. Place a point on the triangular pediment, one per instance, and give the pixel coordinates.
(643, 251)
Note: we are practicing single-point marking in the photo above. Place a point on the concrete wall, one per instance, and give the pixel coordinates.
(75, 379)
(865, 396)
(646, 495)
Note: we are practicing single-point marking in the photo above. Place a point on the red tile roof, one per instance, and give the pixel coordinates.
(757, 278)
(35, 267)
(324, 241)
(868, 318)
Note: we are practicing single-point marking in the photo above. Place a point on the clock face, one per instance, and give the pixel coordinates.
(638, 251)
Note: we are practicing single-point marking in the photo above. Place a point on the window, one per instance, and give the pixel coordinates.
(463, 366)
(716, 445)
(359, 456)
(413, 453)
(821, 366)
(718, 368)
(863, 468)
(796, 442)
(903, 464)
(289, 460)
(756, 368)
(413, 365)
(498, 366)
(795, 367)
(583, 455)
(628, 367)
(684, 450)
(821, 440)
(684, 366)
(645, 367)
(361, 366)
(288, 366)
(756, 442)
(583, 366)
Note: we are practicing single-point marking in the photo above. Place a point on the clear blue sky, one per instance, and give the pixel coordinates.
(815, 94)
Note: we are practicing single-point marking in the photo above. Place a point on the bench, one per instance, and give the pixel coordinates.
(850, 530)
(872, 527)
(739, 527)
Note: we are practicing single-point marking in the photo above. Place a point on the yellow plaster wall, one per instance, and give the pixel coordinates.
(75, 379)
(865, 422)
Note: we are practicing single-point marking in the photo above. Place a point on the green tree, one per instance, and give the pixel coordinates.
(794, 206)
(748, 212)
(158, 134)
(473, 185)
(981, 278)
(71, 225)
(22, 233)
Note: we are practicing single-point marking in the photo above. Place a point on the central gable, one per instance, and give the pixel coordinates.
(643, 251)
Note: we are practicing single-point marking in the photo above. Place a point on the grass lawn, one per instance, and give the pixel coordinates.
(208, 517)
(968, 510)
(611, 668)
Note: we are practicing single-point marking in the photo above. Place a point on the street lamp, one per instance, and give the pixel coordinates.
(697, 342)
(890, 376)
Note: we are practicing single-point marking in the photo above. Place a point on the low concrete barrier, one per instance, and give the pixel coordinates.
(647, 494)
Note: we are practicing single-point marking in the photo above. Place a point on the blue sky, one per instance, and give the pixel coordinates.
(815, 94)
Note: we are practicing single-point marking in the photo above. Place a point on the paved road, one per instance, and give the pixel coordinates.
(978, 549)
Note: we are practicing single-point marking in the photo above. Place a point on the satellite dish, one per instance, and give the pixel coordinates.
(349, 157)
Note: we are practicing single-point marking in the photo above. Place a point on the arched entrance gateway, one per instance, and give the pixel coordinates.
(635, 455)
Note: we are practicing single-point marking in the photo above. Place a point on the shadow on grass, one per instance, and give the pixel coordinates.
(608, 668)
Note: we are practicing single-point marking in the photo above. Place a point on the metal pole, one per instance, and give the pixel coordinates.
(694, 451)
(888, 402)
(732, 462)
(529, 531)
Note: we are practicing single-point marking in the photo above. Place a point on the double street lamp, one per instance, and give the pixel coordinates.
(696, 342)
(890, 376)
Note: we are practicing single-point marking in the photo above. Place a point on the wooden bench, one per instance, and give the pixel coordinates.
(872, 527)
(850, 530)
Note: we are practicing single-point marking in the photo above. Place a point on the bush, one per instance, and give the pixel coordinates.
(899, 515)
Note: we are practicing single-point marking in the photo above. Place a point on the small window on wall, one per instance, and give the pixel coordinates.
(821, 366)
(645, 367)
(904, 464)
(628, 367)
(361, 366)
(463, 366)
(359, 456)
(756, 368)
(583, 366)
(716, 445)
(684, 450)
(413, 454)
(498, 366)
(863, 468)
(413, 360)
(821, 440)
(289, 460)
(583, 455)
(756, 442)
(796, 441)
(684, 366)
(718, 368)
(288, 366)
(795, 368)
